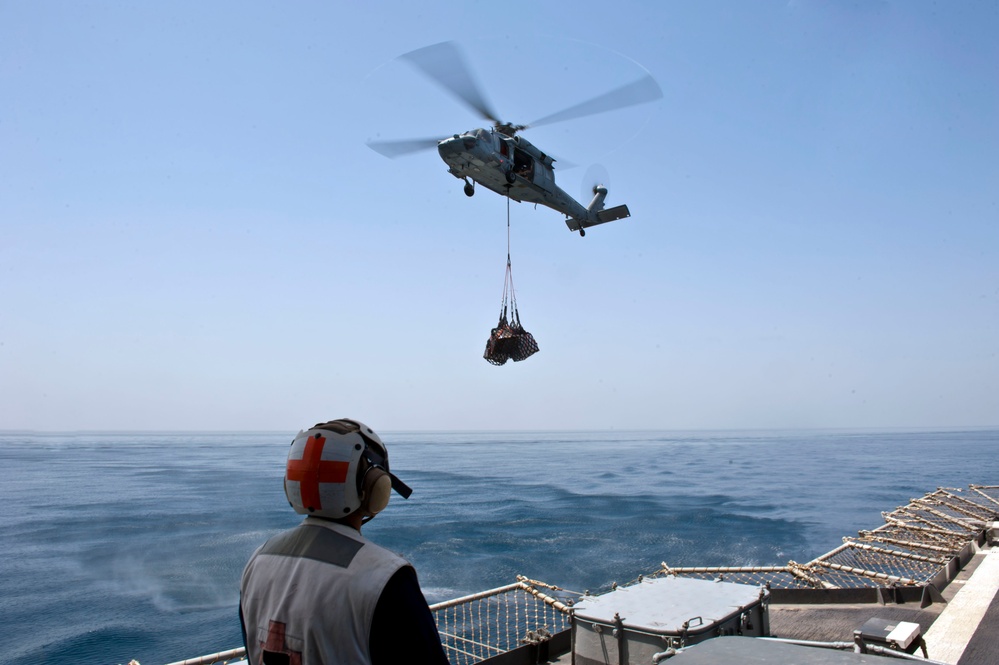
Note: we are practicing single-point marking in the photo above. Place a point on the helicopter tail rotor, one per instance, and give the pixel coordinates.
(596, 175)
(596, 213)
(597, 203)
(602, 216)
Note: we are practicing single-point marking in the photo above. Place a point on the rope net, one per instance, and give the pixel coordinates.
(493, 622)
(508, 340)
(910, 549)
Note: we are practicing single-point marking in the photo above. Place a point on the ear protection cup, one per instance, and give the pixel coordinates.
(376, 488)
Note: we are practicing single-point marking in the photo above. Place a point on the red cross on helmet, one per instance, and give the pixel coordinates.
(337, 468)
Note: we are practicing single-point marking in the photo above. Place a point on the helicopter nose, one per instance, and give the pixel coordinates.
(451, 147)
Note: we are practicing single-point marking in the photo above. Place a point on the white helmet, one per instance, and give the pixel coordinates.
(337, 468)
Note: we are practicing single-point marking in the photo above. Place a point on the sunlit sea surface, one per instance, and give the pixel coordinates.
(130, 545)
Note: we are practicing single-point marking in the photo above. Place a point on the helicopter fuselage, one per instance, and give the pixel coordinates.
(498, 158)
(512, 166)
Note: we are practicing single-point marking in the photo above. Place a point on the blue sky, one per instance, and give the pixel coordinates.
(194, 235)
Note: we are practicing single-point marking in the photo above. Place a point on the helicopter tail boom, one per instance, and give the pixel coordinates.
(595, 212)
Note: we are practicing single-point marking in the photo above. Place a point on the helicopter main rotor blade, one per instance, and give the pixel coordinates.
(446, 65)
(405, 147)
(641, 91)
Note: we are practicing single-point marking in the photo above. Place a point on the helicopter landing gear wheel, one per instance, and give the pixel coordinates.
(582, 232)
(469, 189)
(510, 177)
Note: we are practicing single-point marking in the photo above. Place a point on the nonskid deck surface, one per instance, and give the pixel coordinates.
(984, 644)
(954, 636)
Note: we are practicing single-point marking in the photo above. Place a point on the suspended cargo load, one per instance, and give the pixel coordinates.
(508, 340)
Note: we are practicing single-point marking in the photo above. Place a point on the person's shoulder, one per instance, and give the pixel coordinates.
(269, 543)
(385, 553)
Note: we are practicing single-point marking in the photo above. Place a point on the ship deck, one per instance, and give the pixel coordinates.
(961, 629)
(935, 563)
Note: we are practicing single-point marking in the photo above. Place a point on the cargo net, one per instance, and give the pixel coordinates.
(911, 548)
(477, 627)
(508, 340)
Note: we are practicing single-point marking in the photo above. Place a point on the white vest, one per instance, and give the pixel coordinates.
(311, 593)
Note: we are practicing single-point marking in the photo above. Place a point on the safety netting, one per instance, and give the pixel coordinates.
(915, 545)
(491, 623)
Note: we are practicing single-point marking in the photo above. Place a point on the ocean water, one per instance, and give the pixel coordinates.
(130, 545)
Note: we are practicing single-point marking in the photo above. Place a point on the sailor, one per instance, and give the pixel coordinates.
(321, 593)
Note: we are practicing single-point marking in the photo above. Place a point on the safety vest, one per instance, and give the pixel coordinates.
(310, 593)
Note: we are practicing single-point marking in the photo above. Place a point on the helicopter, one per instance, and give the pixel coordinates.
(497, 157)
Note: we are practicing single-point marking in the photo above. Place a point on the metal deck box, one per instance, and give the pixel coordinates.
(632, 624)
(901, 635)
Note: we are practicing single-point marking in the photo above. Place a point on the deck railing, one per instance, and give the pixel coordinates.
(486, 624)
